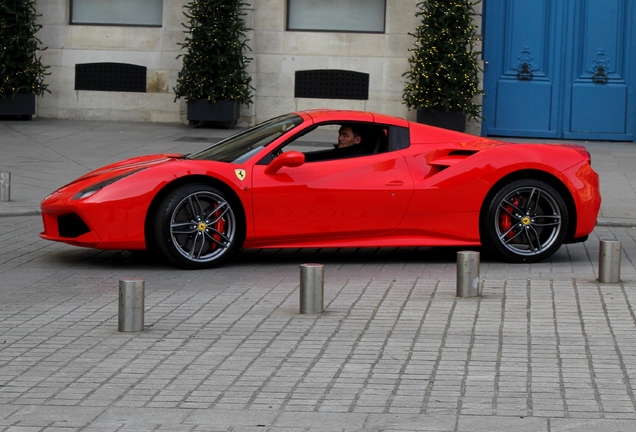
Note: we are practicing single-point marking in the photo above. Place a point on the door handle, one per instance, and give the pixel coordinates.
(525, 73)
(600, 77)
(395, 183)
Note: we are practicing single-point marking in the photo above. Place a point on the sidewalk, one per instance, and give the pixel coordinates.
(545, 348)
(44, 154)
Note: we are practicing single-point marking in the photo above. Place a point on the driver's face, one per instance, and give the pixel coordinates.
(346, 137)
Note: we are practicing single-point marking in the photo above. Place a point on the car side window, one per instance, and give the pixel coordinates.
(320, 143)
(320, 138)
(398, 139)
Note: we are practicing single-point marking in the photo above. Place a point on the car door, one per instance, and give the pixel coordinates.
(363, 196)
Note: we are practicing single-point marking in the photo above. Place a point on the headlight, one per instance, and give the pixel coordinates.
(85, 193)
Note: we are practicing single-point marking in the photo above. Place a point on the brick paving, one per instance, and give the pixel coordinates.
(544, 348)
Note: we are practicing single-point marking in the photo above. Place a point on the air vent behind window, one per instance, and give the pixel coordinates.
(120, 77)
(332, 84)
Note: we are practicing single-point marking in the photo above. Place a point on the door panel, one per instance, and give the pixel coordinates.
(560, 69)
(599, 107)
(602, 24)
(360, 196)
(521, 100)
(522, 106)
(528, 33)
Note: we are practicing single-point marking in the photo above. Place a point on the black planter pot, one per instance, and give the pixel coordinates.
(21, 105)
(454, 120)
(223, 112)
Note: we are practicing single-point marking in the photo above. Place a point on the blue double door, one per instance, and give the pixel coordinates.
(560, 69)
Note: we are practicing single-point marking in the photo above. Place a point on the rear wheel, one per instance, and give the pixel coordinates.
(525, 221)
(196, 227)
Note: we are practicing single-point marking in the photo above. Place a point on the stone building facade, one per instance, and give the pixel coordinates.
(277, 54)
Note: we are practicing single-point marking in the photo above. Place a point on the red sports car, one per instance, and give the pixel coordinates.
(283, 184)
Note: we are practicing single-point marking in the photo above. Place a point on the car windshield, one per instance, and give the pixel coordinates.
(240, 147)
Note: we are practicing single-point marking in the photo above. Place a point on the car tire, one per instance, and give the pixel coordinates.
(196, 227)
(524, 221)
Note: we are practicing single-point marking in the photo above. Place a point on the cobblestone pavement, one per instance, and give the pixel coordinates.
(545, 348)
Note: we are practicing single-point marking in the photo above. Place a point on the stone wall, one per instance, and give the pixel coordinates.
(277, 54)
(68, 45)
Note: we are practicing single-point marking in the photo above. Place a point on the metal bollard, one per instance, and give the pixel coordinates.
(609, 261)
(131, 305)
(5, 186)
(467, 274)
(312, 278)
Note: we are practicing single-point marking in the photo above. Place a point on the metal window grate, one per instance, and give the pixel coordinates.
(110, 77)
(331, 84)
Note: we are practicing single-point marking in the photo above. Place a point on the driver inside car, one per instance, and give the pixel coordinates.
(349, 139)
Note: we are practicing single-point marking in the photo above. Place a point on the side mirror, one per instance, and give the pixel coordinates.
(289, 159)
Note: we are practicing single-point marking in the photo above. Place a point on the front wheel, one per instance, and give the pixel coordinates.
(524, 221)
(196, 227)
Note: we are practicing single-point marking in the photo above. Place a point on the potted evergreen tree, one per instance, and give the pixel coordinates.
(21, 70)
(214, 80)
(444, 68)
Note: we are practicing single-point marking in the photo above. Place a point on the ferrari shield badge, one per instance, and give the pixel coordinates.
(240, 174)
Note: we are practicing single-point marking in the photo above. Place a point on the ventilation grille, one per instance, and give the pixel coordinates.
(332, 84)
(71, 226)
(120, 77)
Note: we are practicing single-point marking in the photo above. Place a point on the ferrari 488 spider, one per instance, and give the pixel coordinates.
(281, 184)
